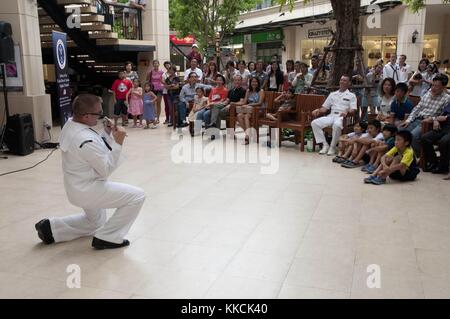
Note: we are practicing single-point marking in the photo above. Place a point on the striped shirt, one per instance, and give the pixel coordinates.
(429, 106)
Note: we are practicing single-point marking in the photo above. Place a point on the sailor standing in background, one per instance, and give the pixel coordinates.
(88, 159)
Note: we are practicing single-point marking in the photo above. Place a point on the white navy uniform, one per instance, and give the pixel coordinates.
(337, 102)
(88, 159)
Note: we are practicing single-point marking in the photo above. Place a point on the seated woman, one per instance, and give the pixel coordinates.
(286, 100)
(217, 95)
(253, 98)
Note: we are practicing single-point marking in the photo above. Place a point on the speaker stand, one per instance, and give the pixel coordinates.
(3, 129)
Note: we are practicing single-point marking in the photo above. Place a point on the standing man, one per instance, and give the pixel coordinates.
(341, 103)
(314, 64)
(404, 70)
(193, 68)
(195, 54)
(88, 159)
(391, 69)
(431, 105)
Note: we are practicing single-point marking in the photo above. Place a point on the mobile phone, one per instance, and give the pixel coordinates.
(108, 122)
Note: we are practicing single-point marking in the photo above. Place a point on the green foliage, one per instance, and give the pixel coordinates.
(204, 18)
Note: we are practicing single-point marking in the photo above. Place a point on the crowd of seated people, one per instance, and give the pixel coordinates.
(400, 100)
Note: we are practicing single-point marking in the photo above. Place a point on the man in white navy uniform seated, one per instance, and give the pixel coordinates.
(88, 159)
(340, 104)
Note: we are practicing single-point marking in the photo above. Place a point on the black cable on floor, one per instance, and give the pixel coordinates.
(28, 168)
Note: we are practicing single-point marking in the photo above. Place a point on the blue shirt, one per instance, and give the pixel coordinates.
(401, 109)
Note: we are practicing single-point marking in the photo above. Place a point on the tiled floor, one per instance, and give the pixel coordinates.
(228, 231)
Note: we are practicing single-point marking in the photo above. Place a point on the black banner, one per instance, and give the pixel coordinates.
(59, 40)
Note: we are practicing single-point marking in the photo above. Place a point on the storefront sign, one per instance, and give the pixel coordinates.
(319, 33)
(189, 40)
(62, 76)
(260, 37)
(271, 36)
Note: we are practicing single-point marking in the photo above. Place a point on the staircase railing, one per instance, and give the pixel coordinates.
(125, 20)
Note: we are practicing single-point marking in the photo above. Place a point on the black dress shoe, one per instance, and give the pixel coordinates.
(44, 231)
(102, 244)
(438, 170)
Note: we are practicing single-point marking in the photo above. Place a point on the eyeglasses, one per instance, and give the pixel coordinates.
(95, 114)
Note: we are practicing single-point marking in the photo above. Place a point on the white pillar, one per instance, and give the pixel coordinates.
(445, 40)
(408, 23)
(289, 43)
(155, 24)
(23, 17)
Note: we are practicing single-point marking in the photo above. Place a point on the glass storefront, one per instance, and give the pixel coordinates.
(265, 51)
(431, 47)
(312, 47)
(378, 47)
(375, 48)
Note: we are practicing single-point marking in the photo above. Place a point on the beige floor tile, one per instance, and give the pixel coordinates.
(227, 231)
(315, 273)
(259, 266)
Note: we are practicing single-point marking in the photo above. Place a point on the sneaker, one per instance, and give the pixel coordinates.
(371, 169)
(331, 151)
(377, 180)
(341, 160)
(336, 159)
(365, 167)
(324, 150)
(346, 162)
(351, 164)
(170, 125)
(369, 179)
(153, 126)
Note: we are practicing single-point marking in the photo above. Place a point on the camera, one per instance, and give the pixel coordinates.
(418, 76)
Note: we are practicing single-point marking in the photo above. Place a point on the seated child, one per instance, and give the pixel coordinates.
(401, 107)
(398, 164)
(287, 101)
(346, 141)
(378, 149)
(361, 145)
(200, 102)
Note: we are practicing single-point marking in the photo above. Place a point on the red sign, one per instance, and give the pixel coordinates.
(189, 40)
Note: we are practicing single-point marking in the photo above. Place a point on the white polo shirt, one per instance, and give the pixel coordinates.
(403, 72)
(340, 102)
(197, 70)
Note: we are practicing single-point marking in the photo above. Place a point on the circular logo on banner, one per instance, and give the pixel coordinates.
(61, 54)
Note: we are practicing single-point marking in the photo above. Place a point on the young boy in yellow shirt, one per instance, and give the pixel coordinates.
(398, 164)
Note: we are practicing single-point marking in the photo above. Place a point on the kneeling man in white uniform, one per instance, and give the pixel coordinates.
(88, 159)
(340, 104)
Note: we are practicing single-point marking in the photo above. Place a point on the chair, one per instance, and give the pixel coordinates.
(300, 119)
(261, 119)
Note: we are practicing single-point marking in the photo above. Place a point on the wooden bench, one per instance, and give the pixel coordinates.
(300, 119)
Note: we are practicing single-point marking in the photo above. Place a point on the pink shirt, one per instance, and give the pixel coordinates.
(155, 79)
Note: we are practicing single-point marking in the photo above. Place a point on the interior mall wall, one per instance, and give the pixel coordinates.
(23, 17)
(155, 23)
